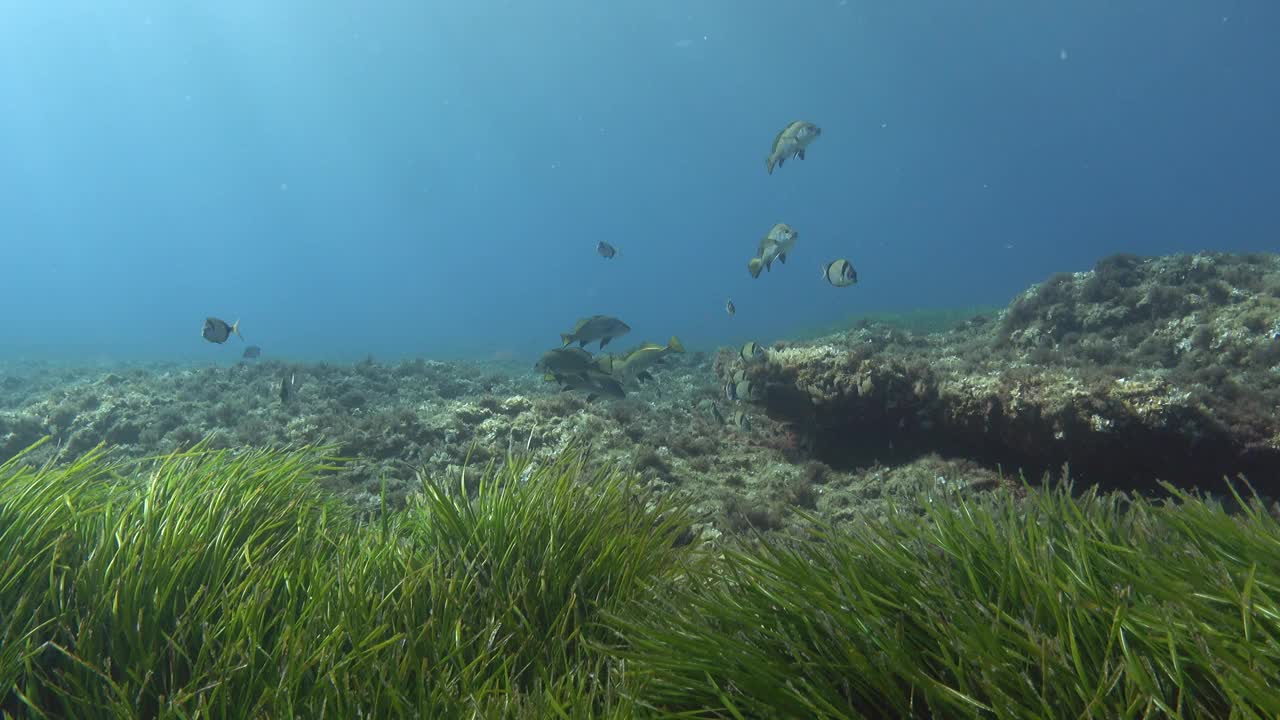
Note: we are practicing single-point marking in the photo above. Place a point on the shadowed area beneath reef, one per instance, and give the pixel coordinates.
(1137, 371)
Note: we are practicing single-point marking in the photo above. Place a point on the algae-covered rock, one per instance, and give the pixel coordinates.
(1142, 368)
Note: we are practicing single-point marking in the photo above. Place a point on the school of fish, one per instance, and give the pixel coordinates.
(575, 368)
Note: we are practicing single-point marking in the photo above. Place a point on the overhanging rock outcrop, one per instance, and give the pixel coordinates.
(1142, 369)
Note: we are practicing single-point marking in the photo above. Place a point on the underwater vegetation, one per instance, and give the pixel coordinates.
(232, 585)
(392, 420)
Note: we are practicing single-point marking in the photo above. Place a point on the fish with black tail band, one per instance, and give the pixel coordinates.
(289, 387)
(737, 391)
(216, 330)
(840, 273)
(730, 308)
(751, 351)
(606, 250)
(791, 142)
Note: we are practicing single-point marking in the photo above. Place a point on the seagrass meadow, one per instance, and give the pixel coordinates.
(602, 360)
(228, 584)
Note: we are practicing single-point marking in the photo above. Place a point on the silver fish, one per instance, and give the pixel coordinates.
(840, 273)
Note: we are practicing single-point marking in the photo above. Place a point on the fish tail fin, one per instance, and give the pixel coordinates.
(675, 345)
(235, 328)
(768, 164)
(783, 258)
(565, 339)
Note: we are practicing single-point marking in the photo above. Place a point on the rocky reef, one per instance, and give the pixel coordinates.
(393, 421)
(1137, 371)
(1140, 369)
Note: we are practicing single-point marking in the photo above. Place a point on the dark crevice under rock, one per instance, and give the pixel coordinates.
(1142, 370)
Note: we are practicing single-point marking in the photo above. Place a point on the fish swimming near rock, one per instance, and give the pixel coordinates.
(775, 245)
(740, 390)
(289, 387)
(575, 369)
(564, 361)
(252, 352)
(840, 273)
(791, 142)
(751, 351)
(637, 361)
(596, 327)
(606, 250)
(741, 421)
(216, 330)
(730, 308)
(595, 384)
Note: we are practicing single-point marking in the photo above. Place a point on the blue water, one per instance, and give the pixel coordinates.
(428, 178)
